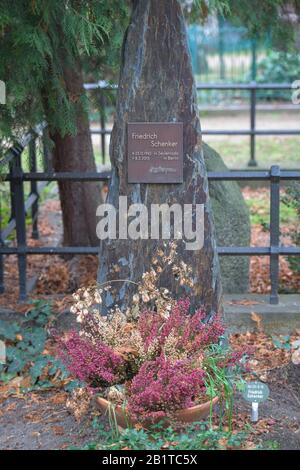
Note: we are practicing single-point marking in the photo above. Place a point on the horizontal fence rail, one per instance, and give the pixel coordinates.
(252, 132)
(21, 205)
(38, 180)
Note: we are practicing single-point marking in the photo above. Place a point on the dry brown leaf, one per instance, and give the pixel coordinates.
(296, 357)
(125, 351)
(59, 398)
(58, 430)
(258, 320)
(244, 302)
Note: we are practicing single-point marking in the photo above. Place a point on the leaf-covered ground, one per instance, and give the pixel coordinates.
(33, 398)
(60, 277)
(45, 419)
(41, 407)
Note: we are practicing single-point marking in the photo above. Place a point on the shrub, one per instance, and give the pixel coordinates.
(95, 364)
(155, 358)
(162, 387)
(278, 67)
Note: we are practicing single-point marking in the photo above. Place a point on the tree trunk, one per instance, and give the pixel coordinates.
(157, 85)
(79, 200)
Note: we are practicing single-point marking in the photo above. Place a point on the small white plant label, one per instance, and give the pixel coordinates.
(2, 352)
(296, 92)
(255, 393)
(2, 92)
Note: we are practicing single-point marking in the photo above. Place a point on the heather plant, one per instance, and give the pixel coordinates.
(162, 387)
(93, 363)
(157, 357)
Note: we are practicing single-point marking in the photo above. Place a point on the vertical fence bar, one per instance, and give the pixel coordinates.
(33, 190)
(2, 288)
(253, 59)
(12, 194)
(274, 231)
(252, 161)
(221, 23)
(102, 125)
(47, 163)
(17, 173)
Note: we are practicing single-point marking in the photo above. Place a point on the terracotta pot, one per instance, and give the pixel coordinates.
(187, 415)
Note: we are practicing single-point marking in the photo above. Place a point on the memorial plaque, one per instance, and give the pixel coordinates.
(155, 152)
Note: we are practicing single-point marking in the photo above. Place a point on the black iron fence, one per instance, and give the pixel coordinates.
(20, 207)
(252, 132)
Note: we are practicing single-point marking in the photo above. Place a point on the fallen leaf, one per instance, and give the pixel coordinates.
(296, 357)
(258, 320)
(58, 430)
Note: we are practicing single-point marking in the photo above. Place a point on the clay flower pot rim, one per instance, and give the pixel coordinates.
(190, 408)
(186, 415)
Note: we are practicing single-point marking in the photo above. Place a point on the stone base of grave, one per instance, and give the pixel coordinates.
(276, 319)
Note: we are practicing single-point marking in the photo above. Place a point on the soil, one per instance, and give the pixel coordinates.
(280, 414)
(37, 422)
(42, 421)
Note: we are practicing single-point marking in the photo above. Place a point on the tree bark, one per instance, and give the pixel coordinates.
(79, 200)
(157, 85)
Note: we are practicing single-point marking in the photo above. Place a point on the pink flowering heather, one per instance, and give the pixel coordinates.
(205, 334)
(96, 365)
(149, 325)
(192, 331)
(177, 320)
(162, 387)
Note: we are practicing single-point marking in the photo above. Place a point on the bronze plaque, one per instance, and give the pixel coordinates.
(155, 152)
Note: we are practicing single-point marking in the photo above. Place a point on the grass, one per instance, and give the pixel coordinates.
(235, 151)
(275, 150)
(259, 207)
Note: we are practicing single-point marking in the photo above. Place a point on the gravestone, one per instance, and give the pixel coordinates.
(232, 223)
(157, 103)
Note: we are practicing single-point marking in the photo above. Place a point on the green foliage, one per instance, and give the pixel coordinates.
(221, 381)
(269, 16)
(198, 436)
(282, 342)
(198, 10)
(40, 42)
(25, 343)
(278, 67)
(258, 17)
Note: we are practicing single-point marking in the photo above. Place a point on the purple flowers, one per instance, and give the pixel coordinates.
(162, 387)
(192, 333)
(95, 364)
(161, 361)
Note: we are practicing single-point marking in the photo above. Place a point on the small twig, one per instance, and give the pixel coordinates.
(118, 280)
(294, 395)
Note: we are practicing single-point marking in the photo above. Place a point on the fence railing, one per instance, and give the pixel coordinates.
(252, 132)
(20, 206)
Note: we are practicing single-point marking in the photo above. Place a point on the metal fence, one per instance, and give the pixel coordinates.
(252, 132)
(20, 206)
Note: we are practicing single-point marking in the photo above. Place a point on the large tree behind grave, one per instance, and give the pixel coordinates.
(279, 18)
(43, 47)
(157, 85)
